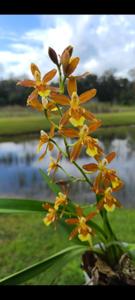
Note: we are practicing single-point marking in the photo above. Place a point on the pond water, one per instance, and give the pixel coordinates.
(20, 176)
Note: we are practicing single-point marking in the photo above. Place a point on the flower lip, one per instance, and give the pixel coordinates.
(84, 131)
(74, 101)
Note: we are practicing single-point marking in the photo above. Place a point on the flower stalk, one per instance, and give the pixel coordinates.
(75, 122)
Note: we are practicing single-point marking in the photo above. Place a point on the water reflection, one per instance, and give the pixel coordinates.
(20, 177)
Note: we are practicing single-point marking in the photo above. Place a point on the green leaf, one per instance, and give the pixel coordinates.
(20, 205)
(53, 186)
(130, 248)
(52, 265)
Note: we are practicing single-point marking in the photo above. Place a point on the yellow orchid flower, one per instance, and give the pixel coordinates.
(61, 199)
(53, 166)
(108, 201)
(106, 176)
(41, 88)
(76, 114)
(45, 139)
(51, 216)
(83, 231)
(84, 139)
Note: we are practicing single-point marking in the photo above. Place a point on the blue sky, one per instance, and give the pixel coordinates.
(102, 42)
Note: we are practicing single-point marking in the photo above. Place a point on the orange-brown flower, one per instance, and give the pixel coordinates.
(76, 114)
(61, 199)
(83, 231)
(68, 62)
(44, 104)
(53, 166)
(84, 139)
(108, 201)
(40, 84)
(51, 216)
(41, 88)
(106, 177)
(45, 139)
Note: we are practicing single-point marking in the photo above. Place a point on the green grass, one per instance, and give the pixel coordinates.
(104, 107)
(22, 125)
(28, 124)
(118, 119)
(25, 240)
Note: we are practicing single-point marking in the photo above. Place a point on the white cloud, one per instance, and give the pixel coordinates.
(102, 42)
(91, 65)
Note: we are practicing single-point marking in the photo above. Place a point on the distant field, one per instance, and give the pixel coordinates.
(25, 240)
(30, 122)
(18, 111)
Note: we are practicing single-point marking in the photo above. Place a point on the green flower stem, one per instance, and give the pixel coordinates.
(67, 174)
(73, 179)
(45, 113)
(80, 169)
(67, 154)
(58, 147)
(114, 251)
(59, 110)
(64, 138)
(67, 148)
(61, 81)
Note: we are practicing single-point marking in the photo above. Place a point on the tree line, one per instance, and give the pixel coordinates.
(109, 89)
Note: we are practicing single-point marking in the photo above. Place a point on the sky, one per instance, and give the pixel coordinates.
(102, 42)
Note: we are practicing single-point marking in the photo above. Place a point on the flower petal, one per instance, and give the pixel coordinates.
(110, 156)
(88, 95)
(91, 215)
(50, 146)
(87, 114)
(79, 211)
(69, 132)
(81, 76)
(96, 185)
(34, 68)
(71, 86)
(76, 150)
(72, 221)
(60, 99)
(43, 155)
(51, 107)
(34, 102)
(94, 125)
(72, 66)
(64, 119)
(46, 206)
(73, 233)
(117, 203)
(90, 167)
(65, 57)
(121, 184)
(48, 76)
(27, 83)
(52, 129)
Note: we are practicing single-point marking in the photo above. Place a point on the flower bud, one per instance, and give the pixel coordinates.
(65, 60)
(70, 50)
(53, 56)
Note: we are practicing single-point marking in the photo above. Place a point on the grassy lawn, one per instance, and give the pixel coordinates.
(118, 118)
(33, 123)
(25, 240)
